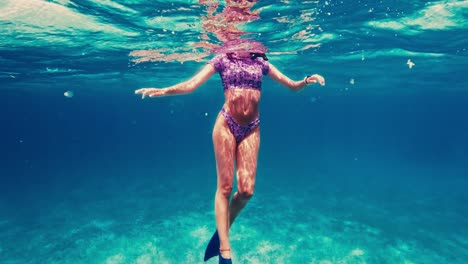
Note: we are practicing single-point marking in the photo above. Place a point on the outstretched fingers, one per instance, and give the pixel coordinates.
(151, 92)
(143, 92)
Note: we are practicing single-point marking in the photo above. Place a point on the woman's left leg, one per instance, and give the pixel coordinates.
(246, 165)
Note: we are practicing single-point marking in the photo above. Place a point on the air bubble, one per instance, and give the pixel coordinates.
(68, 94)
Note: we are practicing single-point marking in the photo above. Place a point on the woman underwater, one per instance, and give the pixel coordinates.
(236, 133)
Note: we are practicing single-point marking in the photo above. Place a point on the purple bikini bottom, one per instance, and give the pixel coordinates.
(239, 132)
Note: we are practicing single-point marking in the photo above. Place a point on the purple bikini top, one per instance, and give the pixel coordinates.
(240, 73)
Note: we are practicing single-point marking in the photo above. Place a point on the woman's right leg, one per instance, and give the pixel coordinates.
(225, 151)
(246, 166)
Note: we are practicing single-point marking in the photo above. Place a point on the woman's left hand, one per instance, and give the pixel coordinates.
(151, 92)
(315, 79)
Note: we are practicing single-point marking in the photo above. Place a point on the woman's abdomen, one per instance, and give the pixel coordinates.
(242, 104)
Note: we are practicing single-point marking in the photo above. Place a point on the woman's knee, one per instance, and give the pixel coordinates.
(246, 194)
(225, 189)
(246, 184)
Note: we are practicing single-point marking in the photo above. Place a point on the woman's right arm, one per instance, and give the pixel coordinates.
(278, 76)
(182, 88)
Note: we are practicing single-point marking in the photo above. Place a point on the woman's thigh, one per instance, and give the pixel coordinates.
(246, 162)
(225, 150)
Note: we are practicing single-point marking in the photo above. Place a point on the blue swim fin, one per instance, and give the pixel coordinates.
(212, 250)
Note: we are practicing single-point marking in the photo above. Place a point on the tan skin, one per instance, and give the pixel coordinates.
(242, 105)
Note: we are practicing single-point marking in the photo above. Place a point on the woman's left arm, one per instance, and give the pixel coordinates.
(276, 75)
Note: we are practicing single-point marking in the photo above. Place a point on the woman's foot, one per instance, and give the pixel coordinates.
(223, 260)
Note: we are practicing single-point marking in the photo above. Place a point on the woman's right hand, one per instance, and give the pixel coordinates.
(151, 92)
(315, 79)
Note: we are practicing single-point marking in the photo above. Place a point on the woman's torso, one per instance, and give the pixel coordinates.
(242, 80)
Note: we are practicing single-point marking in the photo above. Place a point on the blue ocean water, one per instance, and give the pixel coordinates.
(371, 168)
